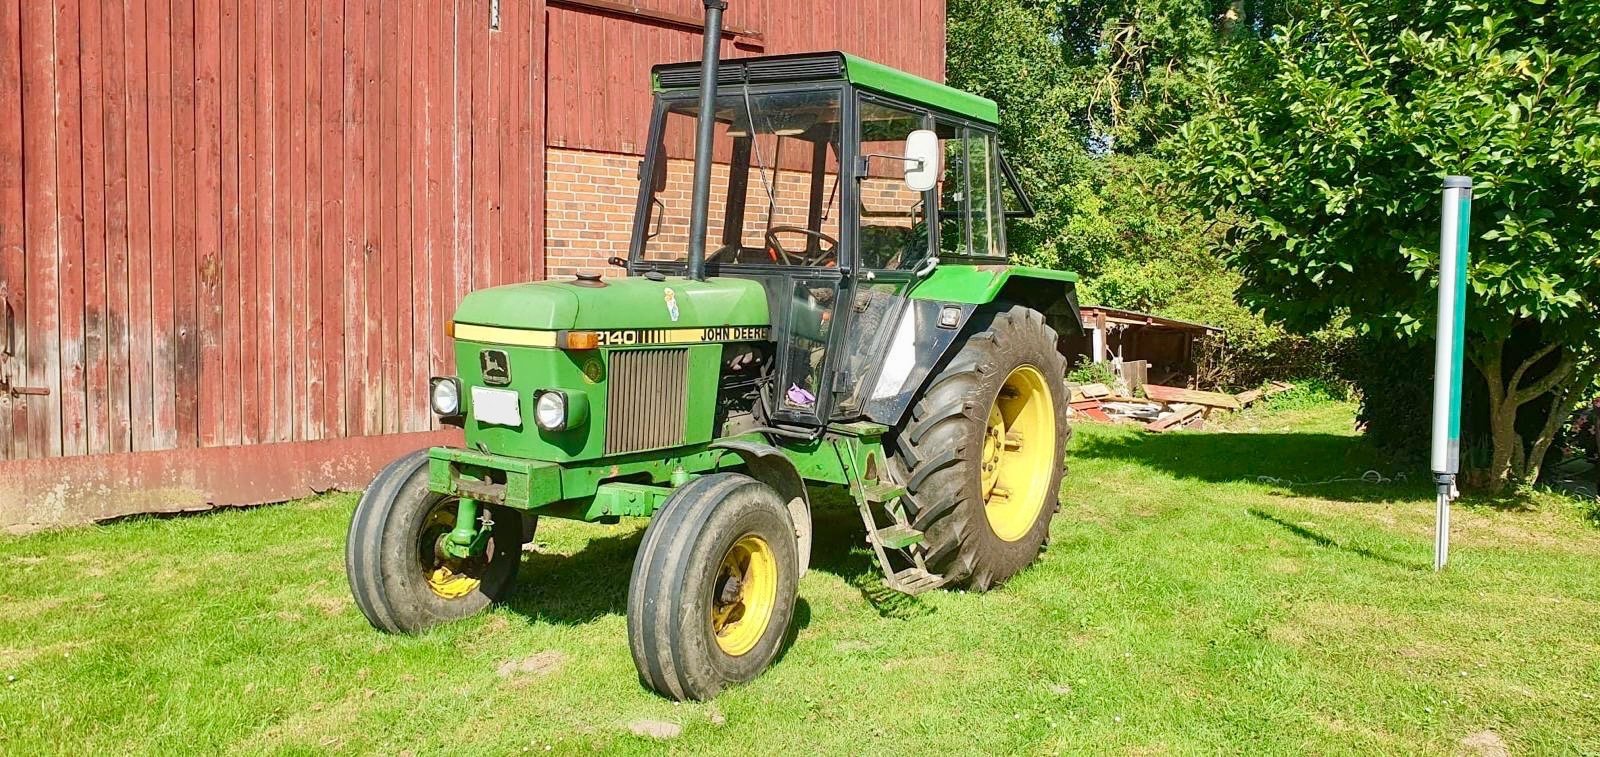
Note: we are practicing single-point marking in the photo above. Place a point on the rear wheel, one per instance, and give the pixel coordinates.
(982, 450)
(399, 574)
(713, 587)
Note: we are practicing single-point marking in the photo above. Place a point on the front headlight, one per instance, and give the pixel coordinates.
(550, 410)
(444, 395)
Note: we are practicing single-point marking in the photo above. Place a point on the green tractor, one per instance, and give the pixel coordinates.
(852, 322)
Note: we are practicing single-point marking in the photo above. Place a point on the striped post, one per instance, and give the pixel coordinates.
(1447, 360)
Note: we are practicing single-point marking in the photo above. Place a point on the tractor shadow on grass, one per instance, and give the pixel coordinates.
(583, 587)
(593, 582)
(839, 547)
(1305, 465)
(577, 588)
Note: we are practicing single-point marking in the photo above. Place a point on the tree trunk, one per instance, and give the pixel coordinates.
(1510, 459)
(1561, 407)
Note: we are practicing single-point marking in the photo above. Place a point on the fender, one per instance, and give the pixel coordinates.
(770, 466)
(938, 312)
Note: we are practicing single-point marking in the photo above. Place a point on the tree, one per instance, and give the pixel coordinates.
(1329, 141)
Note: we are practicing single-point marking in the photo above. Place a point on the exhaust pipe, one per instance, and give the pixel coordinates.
(701, 201)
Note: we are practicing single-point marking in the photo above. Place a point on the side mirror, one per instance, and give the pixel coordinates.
(922, 160)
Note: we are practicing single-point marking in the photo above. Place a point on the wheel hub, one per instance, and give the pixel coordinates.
(448, 577)
(743, 595)
(1015, 472)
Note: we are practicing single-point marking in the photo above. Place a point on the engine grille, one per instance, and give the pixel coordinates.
(645, 399)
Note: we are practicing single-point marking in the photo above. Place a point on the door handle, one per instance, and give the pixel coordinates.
(926, 269)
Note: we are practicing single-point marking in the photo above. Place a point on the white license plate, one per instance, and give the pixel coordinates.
(500, 407)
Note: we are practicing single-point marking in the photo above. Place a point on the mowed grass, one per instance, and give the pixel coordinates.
(1186, 604)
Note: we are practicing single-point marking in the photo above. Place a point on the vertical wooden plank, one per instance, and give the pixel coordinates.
(163, 225)
(388, 236)
(68, 123)
(96, 283)
(372, 214)
(140, 194)
(115, 320)
(185, 345)
(298, 312)
(405, 144)
(229, 391)
(485, 152)
(423, 290)
(355, 283)
(461, 151)
(13, 273)
(279, 375)
(311, 304)
(210, 258)
(440, 122)
(250, 247)
(268, 250)
(39, 423)
(331, 349)
(503, 85)
(534, 123)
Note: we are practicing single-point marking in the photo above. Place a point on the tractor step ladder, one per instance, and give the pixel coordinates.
(898, 536)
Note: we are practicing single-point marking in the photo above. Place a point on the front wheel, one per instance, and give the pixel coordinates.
(713, 587)
(399, 574)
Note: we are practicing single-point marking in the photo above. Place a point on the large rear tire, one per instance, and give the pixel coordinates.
(982, 451)
(713, 587)
(398, 575)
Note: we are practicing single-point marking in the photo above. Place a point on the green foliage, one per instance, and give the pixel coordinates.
(1092, 373)
(1395, 382)
(1309, 393)
(1329, 142)
(1089, 92)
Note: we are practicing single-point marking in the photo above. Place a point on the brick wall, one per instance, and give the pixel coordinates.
(591, 198)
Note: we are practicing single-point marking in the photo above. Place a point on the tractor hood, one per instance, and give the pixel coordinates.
(631, 303)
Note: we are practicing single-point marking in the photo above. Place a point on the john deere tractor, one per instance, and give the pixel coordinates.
(816, 294)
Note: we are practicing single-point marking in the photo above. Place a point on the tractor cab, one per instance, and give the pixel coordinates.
(839, 185)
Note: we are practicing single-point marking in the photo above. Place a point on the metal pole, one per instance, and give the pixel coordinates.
(700, 204)
(1447, 355)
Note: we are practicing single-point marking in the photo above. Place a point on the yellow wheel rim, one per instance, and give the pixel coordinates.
(743, 594)
(1019, 443)
(447, 577)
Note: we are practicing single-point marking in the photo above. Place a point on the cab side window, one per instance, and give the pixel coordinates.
(984, 177)
(952, 190)
(894, 219)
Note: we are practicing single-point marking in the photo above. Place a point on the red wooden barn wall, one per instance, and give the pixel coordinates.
(227, 223)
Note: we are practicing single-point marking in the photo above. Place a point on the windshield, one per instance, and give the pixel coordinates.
(774, 182)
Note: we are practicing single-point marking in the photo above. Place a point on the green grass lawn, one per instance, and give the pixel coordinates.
(1186, 604)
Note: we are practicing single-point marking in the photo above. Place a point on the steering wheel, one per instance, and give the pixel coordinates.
(813, 260)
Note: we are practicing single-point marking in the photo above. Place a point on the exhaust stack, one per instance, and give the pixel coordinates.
(700, 205)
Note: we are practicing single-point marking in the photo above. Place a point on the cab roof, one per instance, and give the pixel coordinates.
(831, 66)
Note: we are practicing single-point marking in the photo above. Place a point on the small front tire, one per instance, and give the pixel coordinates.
(713, 587)
(398, 575)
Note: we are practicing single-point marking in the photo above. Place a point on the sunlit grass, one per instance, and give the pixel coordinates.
(1203, 592)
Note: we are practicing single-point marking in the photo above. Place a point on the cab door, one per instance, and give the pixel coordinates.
(895, 246)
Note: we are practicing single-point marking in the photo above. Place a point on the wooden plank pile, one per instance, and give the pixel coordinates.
(1162, 408)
